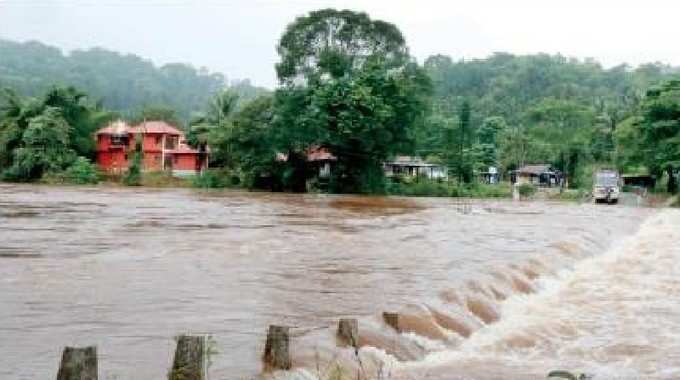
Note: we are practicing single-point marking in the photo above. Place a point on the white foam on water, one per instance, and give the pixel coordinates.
(614, 315)
(424, 342)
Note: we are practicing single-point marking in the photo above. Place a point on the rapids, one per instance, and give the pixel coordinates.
(486, 289)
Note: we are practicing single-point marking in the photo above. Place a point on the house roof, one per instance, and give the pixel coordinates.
(117, 127)
(314, 153)
(535, 169)
(320, 154)
(155, 127)
(121, 127)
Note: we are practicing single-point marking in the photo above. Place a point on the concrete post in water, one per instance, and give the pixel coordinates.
(392, 320)
(565, 375)
(276, 350)
(348, 332)
(190, 359)
(78, 364)
(515, 192)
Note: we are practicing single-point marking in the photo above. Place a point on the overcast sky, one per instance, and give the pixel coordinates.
(238, 37)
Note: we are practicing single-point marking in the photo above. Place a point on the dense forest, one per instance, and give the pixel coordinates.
(124, 83)
(535, 108)
(347, 84)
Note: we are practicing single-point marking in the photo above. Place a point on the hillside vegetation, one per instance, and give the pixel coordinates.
(348, 85)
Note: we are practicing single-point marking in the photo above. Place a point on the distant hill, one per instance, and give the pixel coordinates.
(124, 83)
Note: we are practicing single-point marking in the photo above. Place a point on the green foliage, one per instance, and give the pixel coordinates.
(423, 187)
(133, 176)
(553, 109)
(82, 171)
(45, 135)
(334, 43)
(216, 179)
(420, 188)
(361, 119)
(526, 190)
(253, 144)
(660, 131)
(350, 88)
(215, 127)
(83, 116)
(162, 179)
(43, 147)
(628, 157)
(124, 83)
(157, 112)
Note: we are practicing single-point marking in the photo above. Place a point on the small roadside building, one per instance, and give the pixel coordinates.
(640, 181)
(164, 148)
(543, 175)
(408, 166)
(321, 160)
(491, 176)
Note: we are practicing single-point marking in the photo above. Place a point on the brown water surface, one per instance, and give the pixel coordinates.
(482, 285)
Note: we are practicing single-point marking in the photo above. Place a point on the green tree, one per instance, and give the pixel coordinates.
(157, 112)
(332, 42)
(41, 136)
(83, 116)
(133, 176)
(628, 155)
(123, 82)
(44, 147)
(514, 145)
(660, 131)
(362, 119)
(487, 141)
(349, 87)
(215, 127)
(254, 145)
(465, 161)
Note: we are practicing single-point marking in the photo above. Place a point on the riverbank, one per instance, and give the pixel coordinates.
(422, 189)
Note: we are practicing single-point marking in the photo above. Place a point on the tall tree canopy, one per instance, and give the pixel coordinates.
(556, 110)
(660, 131)
(335, 42)
(47, 134)
(360, 96)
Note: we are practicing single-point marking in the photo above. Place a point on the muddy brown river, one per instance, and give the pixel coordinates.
(486, 289)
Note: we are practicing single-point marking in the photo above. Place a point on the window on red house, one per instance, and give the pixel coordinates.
(119, 140)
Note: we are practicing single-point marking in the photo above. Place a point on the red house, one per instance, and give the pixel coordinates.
(164, 148)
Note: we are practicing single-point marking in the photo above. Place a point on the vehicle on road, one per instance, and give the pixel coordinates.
(606, 186)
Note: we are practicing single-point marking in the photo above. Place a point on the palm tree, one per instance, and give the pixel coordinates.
(215, 125)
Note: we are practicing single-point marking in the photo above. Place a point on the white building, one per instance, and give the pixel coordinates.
(408, 166)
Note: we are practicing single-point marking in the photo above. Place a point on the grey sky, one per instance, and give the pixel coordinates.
(237, 37)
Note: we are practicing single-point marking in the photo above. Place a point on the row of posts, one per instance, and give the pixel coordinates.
(191, 353)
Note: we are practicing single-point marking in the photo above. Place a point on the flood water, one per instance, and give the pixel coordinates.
(486, 289)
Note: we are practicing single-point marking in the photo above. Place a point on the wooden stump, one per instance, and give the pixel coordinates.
(78, 364)
(276, 350)
(190, 359)
(392, 320)
(348, 332)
